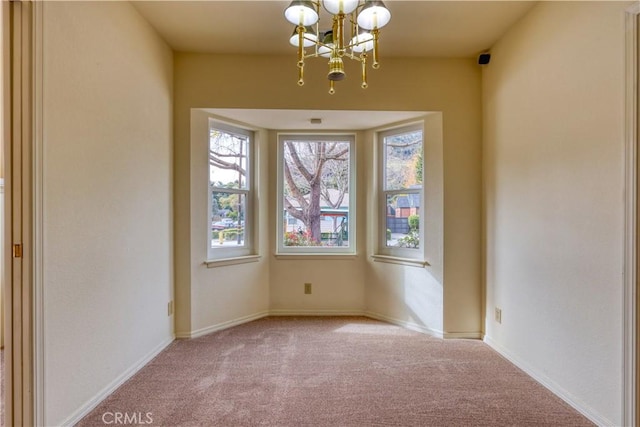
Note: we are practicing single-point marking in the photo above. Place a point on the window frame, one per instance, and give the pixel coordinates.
(309, 251)
(389, 253)
(246, 250)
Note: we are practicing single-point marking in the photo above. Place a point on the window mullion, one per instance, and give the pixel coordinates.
(229, 190)
(403, 191)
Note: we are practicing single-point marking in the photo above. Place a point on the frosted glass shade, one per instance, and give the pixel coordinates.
(310, 37)
(340, 6)
(363, 42)
(301, 12)
(373, 15)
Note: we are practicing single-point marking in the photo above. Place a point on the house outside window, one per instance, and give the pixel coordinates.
(230, 191)
(401, 192)
(316, 194)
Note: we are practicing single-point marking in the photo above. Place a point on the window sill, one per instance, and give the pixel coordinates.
(213, 263)
(402, 261)
(312, 256)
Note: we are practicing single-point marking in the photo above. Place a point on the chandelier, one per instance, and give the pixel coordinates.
(364, 20)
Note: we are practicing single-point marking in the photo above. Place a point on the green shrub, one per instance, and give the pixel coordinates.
(228, 234)
(411, 240)
(414, 222)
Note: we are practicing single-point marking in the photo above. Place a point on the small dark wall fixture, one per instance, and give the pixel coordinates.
(484, 58)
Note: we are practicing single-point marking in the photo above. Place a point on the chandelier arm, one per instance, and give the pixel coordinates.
(376, 62)
(364, 70)
(354, 26)
(309, 38)
(355, 58)
(300, 46)
(338, 32)
(352, 45)
(317, 55)
(319, 43)
(301, 75)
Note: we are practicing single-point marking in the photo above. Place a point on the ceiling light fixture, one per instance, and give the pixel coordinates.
(364, 18)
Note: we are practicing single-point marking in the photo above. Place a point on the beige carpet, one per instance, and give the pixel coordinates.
(288, 371)
(1, 388)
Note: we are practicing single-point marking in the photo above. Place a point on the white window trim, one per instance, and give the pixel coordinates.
(221, 256)
(299, 252)
(232, 261)
(402, 261)
(405, 256)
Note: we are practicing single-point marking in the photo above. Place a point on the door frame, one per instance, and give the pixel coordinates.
(18, 137)
(631, 343)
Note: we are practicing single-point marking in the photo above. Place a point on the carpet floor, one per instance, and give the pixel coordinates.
(1, 388)
(338, 371)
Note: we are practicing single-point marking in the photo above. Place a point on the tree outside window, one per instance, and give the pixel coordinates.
(315, 192)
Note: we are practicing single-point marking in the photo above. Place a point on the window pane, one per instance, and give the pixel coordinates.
(403, 220)
(316, 193)
(227, 219)
(403, 160)
(227, 159)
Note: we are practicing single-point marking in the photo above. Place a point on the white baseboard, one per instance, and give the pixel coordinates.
(552, 386)
(304, 312)
(309, 312)
(224, 325)
(98, 398)
(408, 325)
(463, 335)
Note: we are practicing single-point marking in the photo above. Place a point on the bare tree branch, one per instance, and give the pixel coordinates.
(226, 165)
(299, 165)
(218, 154)
(296, 213)
(295, 190)
(327, 197)
(338, 156)
(401, 144)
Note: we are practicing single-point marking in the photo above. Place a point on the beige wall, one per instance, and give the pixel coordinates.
(412, 296)
(229, 81)
(220, 295)
(3, 52)
(338, 285)
(553, 98)
(107, 228)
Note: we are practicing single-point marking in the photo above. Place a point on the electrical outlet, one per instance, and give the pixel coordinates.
(498, 315)
(170, 308)
(307, 288)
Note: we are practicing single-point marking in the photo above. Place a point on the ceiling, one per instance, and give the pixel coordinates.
(443, 29)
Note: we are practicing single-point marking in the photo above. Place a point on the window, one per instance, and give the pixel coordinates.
(316, 194)
(401, 193)
(230, 191)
